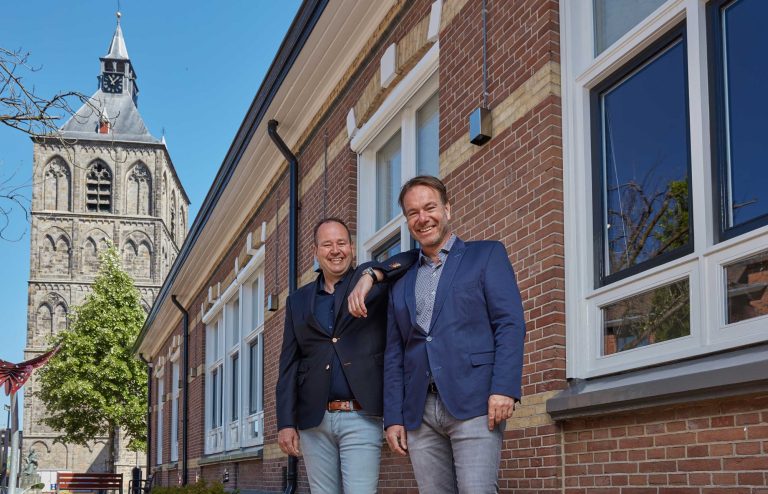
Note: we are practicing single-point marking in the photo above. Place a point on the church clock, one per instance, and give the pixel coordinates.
(112, 83)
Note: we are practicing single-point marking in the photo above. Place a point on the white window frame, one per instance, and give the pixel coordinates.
(253, 422)
(214, 433)
(175, 393)
(396, 113)
(235, 434)
(160, 375)
(582, 70)
(232, 322)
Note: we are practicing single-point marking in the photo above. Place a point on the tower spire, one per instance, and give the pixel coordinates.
(117, 49)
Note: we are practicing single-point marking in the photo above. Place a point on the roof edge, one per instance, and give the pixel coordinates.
(293, 42)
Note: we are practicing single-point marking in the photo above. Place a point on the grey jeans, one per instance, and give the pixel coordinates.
(454, 456)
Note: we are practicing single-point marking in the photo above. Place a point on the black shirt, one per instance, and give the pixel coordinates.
(340, 389)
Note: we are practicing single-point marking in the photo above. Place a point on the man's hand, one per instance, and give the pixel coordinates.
(397, 439)
(288, 439)
(356, 298)
(500, 408)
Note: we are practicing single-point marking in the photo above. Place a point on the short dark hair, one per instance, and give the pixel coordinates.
(427, 181)
(330, 219)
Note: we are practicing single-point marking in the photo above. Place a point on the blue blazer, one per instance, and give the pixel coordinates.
(475, 345)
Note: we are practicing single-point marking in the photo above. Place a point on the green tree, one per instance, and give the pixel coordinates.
(94, 387)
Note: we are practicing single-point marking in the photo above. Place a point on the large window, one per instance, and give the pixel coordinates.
(641, 163)
(98, 183)
(400, 141)
(234, 389)
(670, 262)
(213, 399)
(741, 113)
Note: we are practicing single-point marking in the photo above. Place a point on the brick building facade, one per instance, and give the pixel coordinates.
(636, 378)
(103, 179)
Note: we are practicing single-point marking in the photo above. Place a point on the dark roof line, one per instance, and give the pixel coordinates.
(301, 27)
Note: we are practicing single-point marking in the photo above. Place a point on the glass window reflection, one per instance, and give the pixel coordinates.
(387, 180)
(388, 249)
(427, 138)
(743, 112)
(650, 317)
(644, 157)
(747, 288)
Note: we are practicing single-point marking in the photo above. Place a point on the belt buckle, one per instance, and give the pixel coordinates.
(340, 406)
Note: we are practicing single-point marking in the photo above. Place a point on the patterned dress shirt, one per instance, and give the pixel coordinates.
(427, 278)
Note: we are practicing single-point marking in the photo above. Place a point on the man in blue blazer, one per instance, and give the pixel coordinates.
(454, 354)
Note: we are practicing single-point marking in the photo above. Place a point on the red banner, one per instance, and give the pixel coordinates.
(13, 376)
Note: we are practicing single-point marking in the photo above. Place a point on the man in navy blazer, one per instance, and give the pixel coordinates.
(454, 354)
(329, 387)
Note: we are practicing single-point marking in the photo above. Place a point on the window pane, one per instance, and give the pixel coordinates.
(387, 180)
(174, 410)
(427, 143)
(651, 317)
(747, 282)
(261, 373)
(234, 322)
(644, 152)
(745, 106)
(614, 18)
(219, 397)
(254, 393)
(235, 386)
(159, 441)
(213, 344)
(215, 398)
(256, 307)
(389, 249)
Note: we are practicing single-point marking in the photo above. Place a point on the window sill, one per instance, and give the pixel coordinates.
(731, 373)
(254, 454)
(165, 467)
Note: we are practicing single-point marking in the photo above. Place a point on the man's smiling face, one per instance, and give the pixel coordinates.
(427, 217)
(333, 250)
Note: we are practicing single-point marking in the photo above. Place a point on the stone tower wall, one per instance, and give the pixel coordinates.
(66, 237)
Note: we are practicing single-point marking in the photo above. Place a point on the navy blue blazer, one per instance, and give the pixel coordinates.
(308, 350)
(475, 345)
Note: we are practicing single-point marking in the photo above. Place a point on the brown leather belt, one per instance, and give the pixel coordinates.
(432, 387)
(344, 406)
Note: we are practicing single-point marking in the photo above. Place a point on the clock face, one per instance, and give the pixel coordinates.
(112, 83)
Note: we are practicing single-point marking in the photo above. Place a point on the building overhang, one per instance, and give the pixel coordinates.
(323, 41)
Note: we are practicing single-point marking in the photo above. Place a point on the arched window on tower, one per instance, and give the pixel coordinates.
(172, 219)
(43, 325)
(139, 190)
(182, 224)
(163, 208)
(60, 322)
(98, 182)
(56, 186)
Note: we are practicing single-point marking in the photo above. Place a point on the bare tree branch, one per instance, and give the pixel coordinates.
(21, 107)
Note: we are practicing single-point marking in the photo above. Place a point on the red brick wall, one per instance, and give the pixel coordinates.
(511, 190)
(714, 447)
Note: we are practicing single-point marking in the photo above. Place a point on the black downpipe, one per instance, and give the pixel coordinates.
(149, 413)
(292, 473)
(184, 390)
(293, 215)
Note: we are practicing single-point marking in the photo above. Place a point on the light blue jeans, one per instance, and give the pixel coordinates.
(454, 456)
(344, 450)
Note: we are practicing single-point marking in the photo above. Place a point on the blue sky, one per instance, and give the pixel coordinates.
(199, 65)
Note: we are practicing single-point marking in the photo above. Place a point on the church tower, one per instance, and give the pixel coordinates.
(103, 178)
